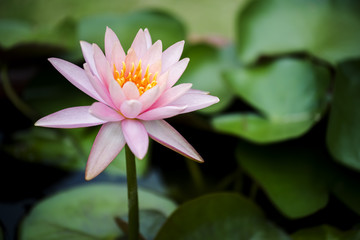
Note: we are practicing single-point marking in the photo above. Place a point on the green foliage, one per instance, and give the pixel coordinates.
(161, 26)
(327, 29)
(219, 216)
(298, 178)
(89, 212)
(16, 32)
(326, 232)
(344, 129)
(294, 178)
(289, 93)
(66, 33)
(205, 72)
(67, 149)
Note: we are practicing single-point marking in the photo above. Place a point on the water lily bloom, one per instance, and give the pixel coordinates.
(134, 92)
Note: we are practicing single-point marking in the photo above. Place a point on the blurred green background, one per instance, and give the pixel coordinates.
(281, 148)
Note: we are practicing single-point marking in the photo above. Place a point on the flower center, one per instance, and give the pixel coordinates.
(143, 81)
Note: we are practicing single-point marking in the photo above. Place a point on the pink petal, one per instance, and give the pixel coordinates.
(176, 70)
(131, 58)
(88, 53)
(74, 117)
(139, 44)
(131, 108)
(104, 112)
(166, 135)
(117, 57)
(102, 66)
(162, 82)
(155, 67)
(116, 93)
(172, 55)
(111, 40)
(131, 91)
(153, 55)
(136, 137)
(98, 86)
(172, 94)
(195, 101)
(76, 76)
(107, 145)
(161, 113)
(147, 38)
(149, 97)
(196, 91)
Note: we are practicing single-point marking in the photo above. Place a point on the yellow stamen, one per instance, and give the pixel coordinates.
(142, 81)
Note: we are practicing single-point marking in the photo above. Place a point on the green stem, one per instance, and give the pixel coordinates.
(14, 98)
(132, 195)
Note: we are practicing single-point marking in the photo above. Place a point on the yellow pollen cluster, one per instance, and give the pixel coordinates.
(142, 81)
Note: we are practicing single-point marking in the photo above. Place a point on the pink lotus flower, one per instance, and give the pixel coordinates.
(134, 92)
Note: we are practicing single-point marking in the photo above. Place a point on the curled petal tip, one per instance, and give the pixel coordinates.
(88, 177)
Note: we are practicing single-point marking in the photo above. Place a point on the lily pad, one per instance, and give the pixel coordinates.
(61, 34)
(343, 134)
(87, 212)
(327, 29)
(219, 216)
(347, 190)
(205, 72)
(296, 179)
(325, 232)
(161, 26)
(67, 149)
(290, 95)
(258, 129)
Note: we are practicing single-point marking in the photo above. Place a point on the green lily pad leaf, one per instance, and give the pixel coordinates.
(343, 133)
(290, 93)
(346, 188)
(67, 149)
(87, 212)
(258, 129)
(283, 88)
(16, 32)
(318, 233)
(13, 31)
(294, 178)
(325, 232)
(278, 27)
(205, 72)
(219, 216)
(161, 26)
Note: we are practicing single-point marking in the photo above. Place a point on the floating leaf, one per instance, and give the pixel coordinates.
(67, 149)
(294, 178)
(16, 32)
(87, 212)
(291, 94)
(259, 129)
(347, 190)
(273, 27)
(13, 31)
(205, 72)
(325, 232)
(162, 26)
(343, 134)
(219, 216)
